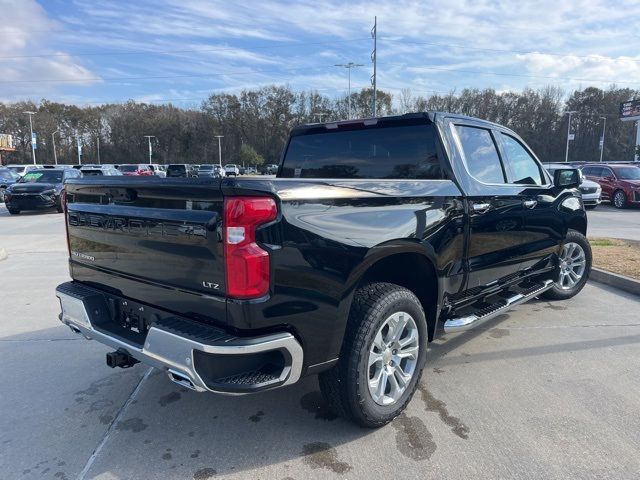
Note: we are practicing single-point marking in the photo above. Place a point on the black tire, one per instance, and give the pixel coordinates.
(557, 292)
(619, 199)
(345, 387)
(13, 211)
(59, 207)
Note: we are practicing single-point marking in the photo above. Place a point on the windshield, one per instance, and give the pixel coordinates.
(176, 168)
(206, 167)
(128, 168)
(16, 169)
(628, 173)
(43, 176)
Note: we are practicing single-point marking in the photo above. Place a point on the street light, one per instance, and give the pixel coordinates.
(33, 146)
(349, 66)
(53, 142)
(566, 155)
(604, 129)
(149, 137)
(219, 137)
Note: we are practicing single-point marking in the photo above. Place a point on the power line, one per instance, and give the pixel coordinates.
(160, 77)
(172, 52)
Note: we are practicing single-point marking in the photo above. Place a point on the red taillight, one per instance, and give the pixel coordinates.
(247, 265)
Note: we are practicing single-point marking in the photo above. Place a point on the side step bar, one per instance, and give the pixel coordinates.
(495, 309)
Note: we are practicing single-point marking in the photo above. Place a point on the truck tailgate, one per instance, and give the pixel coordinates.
(151, 239)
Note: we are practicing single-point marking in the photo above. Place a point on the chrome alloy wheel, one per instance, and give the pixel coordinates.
(573, 262)
(619, 199)
(393, 357)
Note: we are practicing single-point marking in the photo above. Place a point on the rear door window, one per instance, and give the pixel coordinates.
(522, 168)
(386, 152)
(480, 154)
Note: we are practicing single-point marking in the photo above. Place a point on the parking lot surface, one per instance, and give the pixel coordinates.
(607, 221)
(549, 390)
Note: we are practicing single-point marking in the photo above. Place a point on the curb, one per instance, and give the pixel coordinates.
(3, 254)
(620, 282)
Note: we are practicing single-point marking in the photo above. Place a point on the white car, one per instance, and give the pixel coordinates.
(158, 170)
(231, 169)
(22, 169)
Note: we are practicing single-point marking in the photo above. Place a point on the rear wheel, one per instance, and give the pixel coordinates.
(573, 269)
(13, 211)
(619, 199)
(382, 358)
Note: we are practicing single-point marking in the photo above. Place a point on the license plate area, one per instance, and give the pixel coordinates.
(128, 319)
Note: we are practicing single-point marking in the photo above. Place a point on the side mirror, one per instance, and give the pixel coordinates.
(566, 178)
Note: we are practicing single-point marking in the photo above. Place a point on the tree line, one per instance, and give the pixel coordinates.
(255, 123)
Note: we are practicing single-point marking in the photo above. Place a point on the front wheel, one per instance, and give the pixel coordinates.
(382, 357)
(619, 199)
(13, 211)
(573, 269)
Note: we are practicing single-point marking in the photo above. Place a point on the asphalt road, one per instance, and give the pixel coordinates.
(549, 390)
(607, 221)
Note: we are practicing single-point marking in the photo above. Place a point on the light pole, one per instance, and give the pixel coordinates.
(33, 146)
(219, 137)
(98, 140)
(319, 115)
(53, 142)
(349, 66)
(604, 129)
(566, 155)
(149, 137)
(79, 148)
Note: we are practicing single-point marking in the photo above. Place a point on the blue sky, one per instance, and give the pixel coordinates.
(95, 51)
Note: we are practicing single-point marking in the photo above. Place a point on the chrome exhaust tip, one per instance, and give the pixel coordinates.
(181, 379)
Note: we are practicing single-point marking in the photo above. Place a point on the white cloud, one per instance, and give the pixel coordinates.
(26, 29)
(620, 70)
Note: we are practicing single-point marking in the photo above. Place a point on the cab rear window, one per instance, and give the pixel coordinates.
(400, 152)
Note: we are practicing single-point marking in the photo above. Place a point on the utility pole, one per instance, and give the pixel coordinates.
(219, 137)
(566, 155)
(98, 139)
(349, 66)
(374, 57)
(53, 142)
(149, 137)
(33, 143)
(604, 129)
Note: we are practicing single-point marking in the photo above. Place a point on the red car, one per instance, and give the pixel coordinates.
(135, 169)
(620, 183)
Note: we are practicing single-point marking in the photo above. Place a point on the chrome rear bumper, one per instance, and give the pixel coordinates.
(180, 351)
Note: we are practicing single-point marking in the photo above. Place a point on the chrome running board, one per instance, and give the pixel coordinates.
(471, 321)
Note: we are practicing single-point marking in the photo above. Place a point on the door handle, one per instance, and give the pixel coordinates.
(530, 203)
(481, 207)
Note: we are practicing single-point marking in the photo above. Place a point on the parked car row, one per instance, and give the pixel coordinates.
(43, 189)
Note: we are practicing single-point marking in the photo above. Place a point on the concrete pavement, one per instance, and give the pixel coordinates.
(549, 390)
(607, 221)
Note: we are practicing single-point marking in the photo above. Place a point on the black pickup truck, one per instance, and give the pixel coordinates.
(374, 234)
